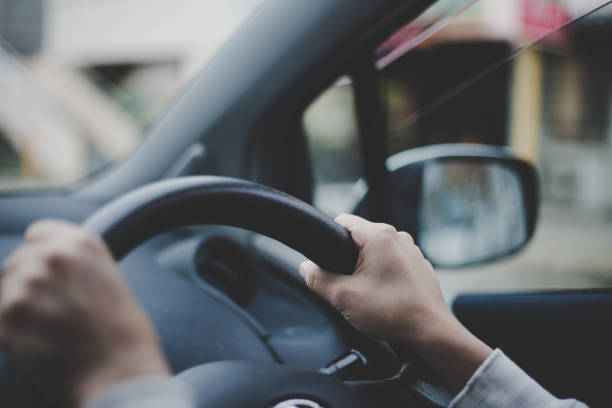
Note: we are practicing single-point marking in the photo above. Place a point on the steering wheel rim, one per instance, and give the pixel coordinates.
(159, 207)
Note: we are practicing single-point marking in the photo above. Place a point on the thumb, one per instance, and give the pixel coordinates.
(358, 227)
(319, 280)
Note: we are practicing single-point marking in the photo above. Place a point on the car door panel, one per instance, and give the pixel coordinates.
(562, 339)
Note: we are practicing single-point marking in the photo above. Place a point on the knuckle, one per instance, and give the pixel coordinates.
(387, 229)
(386, 233)
(340, 297)
(55, 256)
(85, 240)
(406, 236)
(33, 230)
(59, 256)
(34, 282)
(43, 229)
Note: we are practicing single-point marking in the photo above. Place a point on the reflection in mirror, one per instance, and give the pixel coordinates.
(470, 211)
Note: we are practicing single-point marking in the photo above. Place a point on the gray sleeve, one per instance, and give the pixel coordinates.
(499, 383)
(146, 392)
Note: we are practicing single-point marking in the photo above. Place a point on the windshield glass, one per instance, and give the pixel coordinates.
(82, 80)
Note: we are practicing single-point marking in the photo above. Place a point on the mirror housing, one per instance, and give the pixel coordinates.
(464, 204)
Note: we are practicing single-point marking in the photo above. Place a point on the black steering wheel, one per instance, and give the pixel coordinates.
(160, 207)
(151, 210)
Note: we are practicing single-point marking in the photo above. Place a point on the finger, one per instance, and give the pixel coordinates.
(53, 235)
(357, 226)
(421, 254)
(406, 237)
(349, 221)
(320, 281)
(17, 257)
(29, 256)
(17, 286)
(48, 228)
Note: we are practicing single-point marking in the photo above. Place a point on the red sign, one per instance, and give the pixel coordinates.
(541, 17)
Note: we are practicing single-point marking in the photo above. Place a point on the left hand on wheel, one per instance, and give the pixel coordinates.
(68, 317)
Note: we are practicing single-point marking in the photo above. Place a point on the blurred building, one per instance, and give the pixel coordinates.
(81, 80)
(547, 95)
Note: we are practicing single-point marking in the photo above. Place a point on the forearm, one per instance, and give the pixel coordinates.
(451, 350)
(499, 383)
(482, 377)
(394, 294)
(144, 392)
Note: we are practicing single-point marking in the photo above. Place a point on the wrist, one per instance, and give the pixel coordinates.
(451, 349)
(438, 329)
(118, 369)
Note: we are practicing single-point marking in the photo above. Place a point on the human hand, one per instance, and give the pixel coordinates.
(68, 317)
(395, 295)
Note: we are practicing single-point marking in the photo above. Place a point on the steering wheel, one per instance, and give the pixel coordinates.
(146, 212)
(159, 207)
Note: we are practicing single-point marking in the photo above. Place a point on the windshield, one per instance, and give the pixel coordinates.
(83, 80)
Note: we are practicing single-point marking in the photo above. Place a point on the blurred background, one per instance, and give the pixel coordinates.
(533, 75)
(82, 80)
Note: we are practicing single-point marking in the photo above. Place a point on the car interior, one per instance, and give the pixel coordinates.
(212, 214)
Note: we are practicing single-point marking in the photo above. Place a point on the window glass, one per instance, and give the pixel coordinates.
(468, 211)
(330, 126)
(505, 73)
(82, 80)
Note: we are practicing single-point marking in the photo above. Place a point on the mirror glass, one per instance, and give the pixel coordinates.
(470, 211)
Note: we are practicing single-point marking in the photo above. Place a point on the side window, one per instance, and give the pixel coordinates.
(423, 71)
(413, 86)
(550, 102)
(330, 126)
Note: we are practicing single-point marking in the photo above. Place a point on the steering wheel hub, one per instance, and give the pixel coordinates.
(298, 403)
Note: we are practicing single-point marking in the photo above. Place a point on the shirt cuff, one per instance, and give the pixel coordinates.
(145, 392)
(499, 382)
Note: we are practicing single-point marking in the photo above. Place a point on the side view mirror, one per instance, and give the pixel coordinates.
(463, 204)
